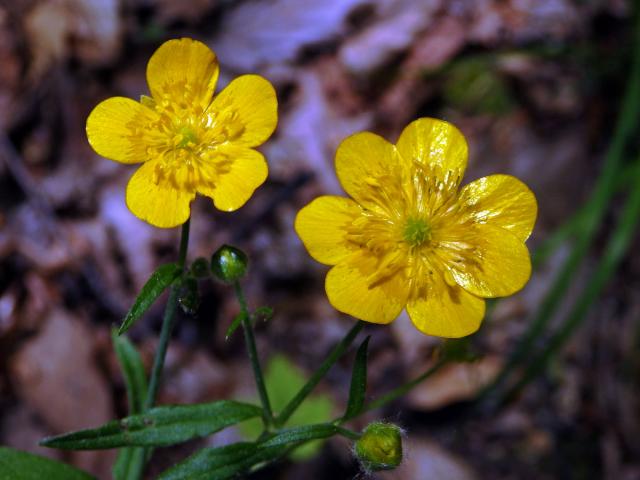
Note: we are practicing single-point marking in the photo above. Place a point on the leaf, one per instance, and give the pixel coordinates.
(130, 461)
(160, 426)
(157, 283)
(226, 462)
(222, 462)
(283, 380)
(129, 464)
(133, 372)
(17, 465)
(237, 321)
(358, 387)
(263, 313)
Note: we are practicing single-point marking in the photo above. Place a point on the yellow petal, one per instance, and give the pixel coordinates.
(183, 70)
(350, 290)
(367, 165)
(501, 201)
(448, 312)
(247, 110)
(159, 204)
(497, 265)
(321, 226)
(114, 129)
(435, 143)
(247, 170)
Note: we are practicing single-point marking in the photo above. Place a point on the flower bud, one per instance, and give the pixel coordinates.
(200, 268)
(189, 298)
(380, 447)
(229, 264)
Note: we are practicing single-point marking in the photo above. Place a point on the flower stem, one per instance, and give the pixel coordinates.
(403, 389)
(250, 341)
(597, 207)
(167, 324)
(319, 374)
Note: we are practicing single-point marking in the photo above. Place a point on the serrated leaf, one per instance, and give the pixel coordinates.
(226, 462)
(157, 283)
(358, 388)
(129, 464)
(17, 465)
(132, 371)
(237, 321)
(160, 426)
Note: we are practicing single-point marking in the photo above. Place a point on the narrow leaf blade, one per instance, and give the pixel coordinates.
(231, 460)
(133, 372)
(159, 427)
(129, 464)
(222, 462)
(157, 283)
(358, 387)
(17, 465)
(237, 321)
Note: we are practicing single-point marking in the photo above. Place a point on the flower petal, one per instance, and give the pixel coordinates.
(184, 70)
(321, 226)
(350, 290)
(497, 265)
(448, 312)
(113, 129)
(434, 143)
(248, 110)
(502, 201)
(247, 171)
(365, 165)
(160, 204)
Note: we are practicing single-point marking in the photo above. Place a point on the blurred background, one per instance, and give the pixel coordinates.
(538, 89)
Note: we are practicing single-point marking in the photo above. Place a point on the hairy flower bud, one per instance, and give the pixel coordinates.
(380, 447)
(229, 264)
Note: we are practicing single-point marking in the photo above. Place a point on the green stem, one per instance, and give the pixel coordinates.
(403, 389)
(597, 207)
(250, 341)
(319, 374)
(167, 324)
(614, 252)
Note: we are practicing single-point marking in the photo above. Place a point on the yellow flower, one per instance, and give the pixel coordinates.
(411, 237)
(187, 141)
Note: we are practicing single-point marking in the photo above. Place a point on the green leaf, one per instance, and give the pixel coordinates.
(157, 283)
(130, 461)
(358, 387)
(160, 426)
(133, 372)
(237, 321)
(226, 462)
(222, 462)
(263, 313)
(283, 380)
(129, 464)
(17, 465)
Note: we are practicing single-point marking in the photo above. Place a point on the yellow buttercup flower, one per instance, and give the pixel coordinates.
(187, 140)
(411, 237)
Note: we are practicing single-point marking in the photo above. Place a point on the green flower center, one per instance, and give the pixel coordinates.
(188, 135)
(416, 232)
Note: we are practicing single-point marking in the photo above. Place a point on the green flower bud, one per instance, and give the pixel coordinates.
(200, 268)
(380, 447)
(229, 264)
(189, 298)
